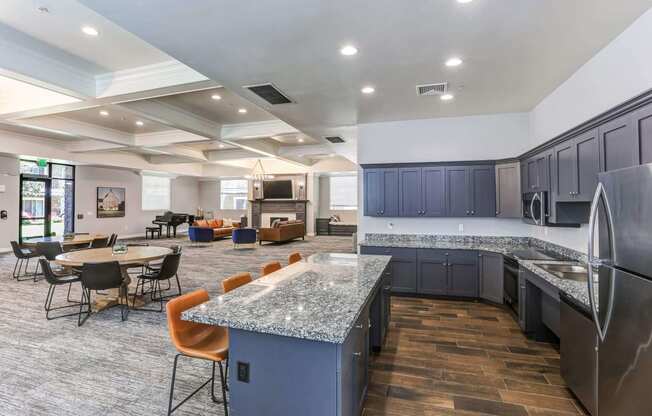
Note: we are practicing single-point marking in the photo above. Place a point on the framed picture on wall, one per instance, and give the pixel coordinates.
(110, 202)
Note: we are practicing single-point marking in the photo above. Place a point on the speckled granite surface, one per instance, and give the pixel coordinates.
(503, 245)
(318, 299)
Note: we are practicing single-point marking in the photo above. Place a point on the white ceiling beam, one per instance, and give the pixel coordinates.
(85, 146)
(230, 154)
(299, 151)
(27, 59)
(80, 130)
(174, 117)
(148, 77)
(256, 129)
(182, 152)
(164, 138)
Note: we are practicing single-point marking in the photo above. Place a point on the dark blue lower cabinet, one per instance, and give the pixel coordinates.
(380, 310)
(432, 272)
(463, 273)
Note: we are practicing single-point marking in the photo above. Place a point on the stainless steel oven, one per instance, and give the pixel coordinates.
(535, 208)
(510, 283)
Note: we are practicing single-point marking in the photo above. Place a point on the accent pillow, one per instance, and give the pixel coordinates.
(202, 223)
(275, 223)
(213, 224)
(227, 222)
(220, 223)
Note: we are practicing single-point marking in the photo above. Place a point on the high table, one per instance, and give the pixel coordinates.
(77, 240)
(299, 338)
(134, 257)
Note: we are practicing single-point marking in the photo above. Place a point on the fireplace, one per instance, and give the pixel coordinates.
(272, 219)
(263, 212)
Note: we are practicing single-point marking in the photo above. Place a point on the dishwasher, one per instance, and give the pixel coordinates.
(578, 349)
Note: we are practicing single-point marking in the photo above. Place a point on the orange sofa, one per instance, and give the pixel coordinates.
(219, 229)
(282, 231)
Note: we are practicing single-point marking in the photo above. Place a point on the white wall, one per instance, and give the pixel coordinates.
(184, 199)
(486, 137)
(209, 200)
(620, 71)
(325, 210)
(9, 201)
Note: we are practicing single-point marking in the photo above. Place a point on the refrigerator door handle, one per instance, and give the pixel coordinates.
(593, 261)
(534, 218)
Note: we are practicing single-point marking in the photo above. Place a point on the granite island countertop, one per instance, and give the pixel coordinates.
(318, 299)
(503, 245)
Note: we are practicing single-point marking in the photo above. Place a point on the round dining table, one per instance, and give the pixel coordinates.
(135, 256)
(77, 240)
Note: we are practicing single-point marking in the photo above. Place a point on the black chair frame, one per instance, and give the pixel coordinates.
(22, 262)
(223, 378)
(98, 282)
(168, 270)
(54, 281)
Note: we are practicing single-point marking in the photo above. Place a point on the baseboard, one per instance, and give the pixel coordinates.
(5, 250)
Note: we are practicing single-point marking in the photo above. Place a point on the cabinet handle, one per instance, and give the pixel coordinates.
(472, 212)
(479, 255)
(467, 212)
(357, 354)
(358, 326)
(382, 212)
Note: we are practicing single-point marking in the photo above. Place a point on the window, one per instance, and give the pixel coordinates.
(344, 192)
(233, 194)
(156, 193)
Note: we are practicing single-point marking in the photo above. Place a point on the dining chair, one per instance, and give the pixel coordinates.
(294, 257)
(99, 243)
(235, 281)
(169, 269)
(50, 250)
(270, 267)
(200, 341)
(23, 255)
(55, 279)
(150, 267)
(102, 276)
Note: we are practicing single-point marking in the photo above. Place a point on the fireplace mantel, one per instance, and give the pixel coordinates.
(289, 206)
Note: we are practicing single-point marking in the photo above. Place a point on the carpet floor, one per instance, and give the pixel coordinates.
(110, 367)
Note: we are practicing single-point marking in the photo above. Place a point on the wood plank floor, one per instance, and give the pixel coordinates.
(463, 358)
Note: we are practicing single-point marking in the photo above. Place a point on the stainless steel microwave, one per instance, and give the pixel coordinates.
(535, 208)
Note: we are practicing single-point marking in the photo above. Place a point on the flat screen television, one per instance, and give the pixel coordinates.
(280, 189)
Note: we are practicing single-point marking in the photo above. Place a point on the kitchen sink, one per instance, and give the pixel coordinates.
(566, 271)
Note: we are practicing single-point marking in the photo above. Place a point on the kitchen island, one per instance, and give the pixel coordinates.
(299, 338)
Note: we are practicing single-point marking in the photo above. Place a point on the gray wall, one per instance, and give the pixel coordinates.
(324, 203)
(209, 200)
(9, 178)
(184, 199)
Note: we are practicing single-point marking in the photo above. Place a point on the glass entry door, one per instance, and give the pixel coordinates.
(34, 207)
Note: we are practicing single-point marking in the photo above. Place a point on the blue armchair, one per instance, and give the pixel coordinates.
(243, 236)
(200, 234)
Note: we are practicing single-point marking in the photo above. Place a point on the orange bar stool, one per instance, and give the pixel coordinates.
(270, 267)
(294, 257)
(195, 340)
(236, 281)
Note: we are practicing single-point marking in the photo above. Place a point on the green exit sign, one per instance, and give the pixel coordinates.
(42, 163)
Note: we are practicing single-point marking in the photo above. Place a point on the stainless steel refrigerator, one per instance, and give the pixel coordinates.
(622, 310)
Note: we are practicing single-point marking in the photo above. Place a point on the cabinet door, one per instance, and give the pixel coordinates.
(404, 276)
(373, 192)
(463, 273)
(434, 191)
(532, 175)
(410, 192)
(543, 170)
(491, 277)
(524, 177)
(457, 193)
(390, 192)
(522, 300)
(508, 191)
(618, 147)
(431, 272)
(588, 165)
(642, 120)
(566, 171)
(482, 191)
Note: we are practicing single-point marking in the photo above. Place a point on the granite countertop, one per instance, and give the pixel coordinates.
(503, 245)
(318, 299)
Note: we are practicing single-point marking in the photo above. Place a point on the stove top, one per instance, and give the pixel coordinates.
(538, 254)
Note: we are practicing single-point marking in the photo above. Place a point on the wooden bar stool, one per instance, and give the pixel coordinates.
(236, 281)
(270, 267)
(195, 340)
(294, 257)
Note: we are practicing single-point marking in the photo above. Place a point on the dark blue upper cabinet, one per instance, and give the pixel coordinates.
(410, 192)
(618, 146)
(643, 132)
(381, 192)
(482, 191)
(433, 191)
(457, 204)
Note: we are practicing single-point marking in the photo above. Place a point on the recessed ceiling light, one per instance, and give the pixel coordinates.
(454, 62)
(300, 140)
(242, 110)
(104, 113)
(90, 31)
(140, 123)
(446, 97)
(221, 145)
(349, 50)
(216, 97)
(464, 1)
(368, 90)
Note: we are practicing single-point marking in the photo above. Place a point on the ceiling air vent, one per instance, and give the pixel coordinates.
(269, 93)
(432, 89)
(334, 139)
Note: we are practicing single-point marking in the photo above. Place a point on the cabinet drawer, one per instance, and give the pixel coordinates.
(397, 253)
(462, 256)
(432, 254)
